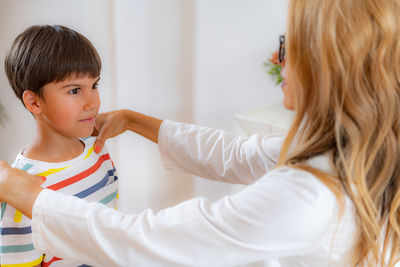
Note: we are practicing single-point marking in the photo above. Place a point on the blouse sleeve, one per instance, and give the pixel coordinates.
(217, 155)
(285, 213)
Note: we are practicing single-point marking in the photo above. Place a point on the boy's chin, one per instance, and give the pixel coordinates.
(85, 134)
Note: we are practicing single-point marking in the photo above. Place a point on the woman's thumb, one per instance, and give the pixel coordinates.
(99, 143)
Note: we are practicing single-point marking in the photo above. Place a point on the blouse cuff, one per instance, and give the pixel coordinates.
(164, 141)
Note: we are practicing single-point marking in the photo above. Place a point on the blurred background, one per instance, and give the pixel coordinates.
(197, 61)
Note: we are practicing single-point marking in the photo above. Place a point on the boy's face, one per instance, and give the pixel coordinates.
(69, 107)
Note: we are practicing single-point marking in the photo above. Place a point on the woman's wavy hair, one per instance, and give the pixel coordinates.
(344, 64)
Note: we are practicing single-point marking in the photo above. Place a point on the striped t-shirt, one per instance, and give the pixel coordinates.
(91, 176)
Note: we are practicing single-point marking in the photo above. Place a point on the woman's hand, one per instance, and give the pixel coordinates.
(108, 125)
(114, 123)
(18, 188)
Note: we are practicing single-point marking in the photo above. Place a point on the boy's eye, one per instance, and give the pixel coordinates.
(95, 86)
(74, 91)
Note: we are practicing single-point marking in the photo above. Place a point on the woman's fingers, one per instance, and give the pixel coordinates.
(101, 139)
(98, 124)
(4, 174)
(108, 125)
(13, 179)
(100, 130)
(95, 131)
(5, 170)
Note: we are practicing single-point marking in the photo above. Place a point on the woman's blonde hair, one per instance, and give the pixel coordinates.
(343, 59)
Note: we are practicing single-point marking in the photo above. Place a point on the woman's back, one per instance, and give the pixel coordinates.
(343, 80)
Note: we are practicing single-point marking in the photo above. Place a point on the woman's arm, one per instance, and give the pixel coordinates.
(217, 155)
(287, 213)
(201, 151)
(18, 188)
(113, 123)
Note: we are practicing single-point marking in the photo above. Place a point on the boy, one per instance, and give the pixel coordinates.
(55, 71)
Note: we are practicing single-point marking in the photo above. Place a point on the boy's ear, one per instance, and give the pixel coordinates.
(31, 101)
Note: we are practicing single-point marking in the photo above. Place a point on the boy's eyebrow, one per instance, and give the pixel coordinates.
(75, 84)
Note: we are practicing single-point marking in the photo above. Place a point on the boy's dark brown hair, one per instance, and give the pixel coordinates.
(49, 53)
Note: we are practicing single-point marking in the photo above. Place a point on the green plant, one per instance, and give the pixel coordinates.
(275, 71)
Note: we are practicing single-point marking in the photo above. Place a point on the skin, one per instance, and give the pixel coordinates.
(288, 98)
(20, 189)
(113, 123)
(66, 111)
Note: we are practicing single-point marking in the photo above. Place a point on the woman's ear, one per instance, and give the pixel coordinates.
(31, 101)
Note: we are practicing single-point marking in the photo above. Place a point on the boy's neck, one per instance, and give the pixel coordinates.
(53, 147)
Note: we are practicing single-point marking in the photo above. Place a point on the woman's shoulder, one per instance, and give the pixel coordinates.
(309, 198)
(328, 220)
(299, 183)
(299, 175)
(297, 187)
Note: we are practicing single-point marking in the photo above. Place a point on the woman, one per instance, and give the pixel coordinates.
(327, 196)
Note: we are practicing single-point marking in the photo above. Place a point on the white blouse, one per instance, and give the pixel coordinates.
(283, 213)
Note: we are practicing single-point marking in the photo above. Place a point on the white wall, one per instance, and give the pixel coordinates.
(154, 66)
(189, 60)
(233, 39)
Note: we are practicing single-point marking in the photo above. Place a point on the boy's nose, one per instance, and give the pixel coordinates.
(88, 106)
(90, 103)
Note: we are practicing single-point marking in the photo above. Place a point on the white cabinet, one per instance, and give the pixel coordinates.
(273, 119)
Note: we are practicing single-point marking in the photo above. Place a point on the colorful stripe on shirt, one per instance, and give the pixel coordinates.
(68, 181)
(108, 179)
(81, 175)
(27, 264)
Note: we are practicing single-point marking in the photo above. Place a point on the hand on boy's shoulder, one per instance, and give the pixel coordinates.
(107, 125)
(95, 132)
(98, 144)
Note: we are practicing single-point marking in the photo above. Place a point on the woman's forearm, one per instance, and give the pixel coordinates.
(18, 188)
(144, 125)
(116, 122)
(24, 199)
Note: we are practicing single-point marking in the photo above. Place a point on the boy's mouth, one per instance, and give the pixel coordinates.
(90, 119)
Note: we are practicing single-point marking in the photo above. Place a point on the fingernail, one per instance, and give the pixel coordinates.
(97, 149)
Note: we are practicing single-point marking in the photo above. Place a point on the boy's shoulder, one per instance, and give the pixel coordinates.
(36, 166)
(89, 144)
(31, 166)
(88, 141)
